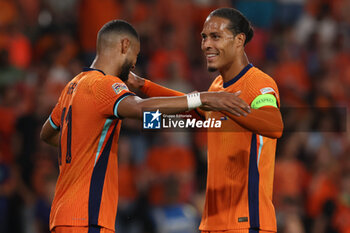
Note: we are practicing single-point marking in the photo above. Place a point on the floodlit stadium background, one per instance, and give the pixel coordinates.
(303, 45)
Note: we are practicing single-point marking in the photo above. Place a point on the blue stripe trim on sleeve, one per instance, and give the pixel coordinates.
(53, 124)
(115, 108)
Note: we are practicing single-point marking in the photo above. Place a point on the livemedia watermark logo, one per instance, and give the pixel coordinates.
(157, 120)
(295, 119)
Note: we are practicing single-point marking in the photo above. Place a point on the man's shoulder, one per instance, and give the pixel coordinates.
(260, 76)
(217, 84)
(95, 80)
(259, 79)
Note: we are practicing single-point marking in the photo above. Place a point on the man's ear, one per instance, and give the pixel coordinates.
(125, 45)
(240, 39)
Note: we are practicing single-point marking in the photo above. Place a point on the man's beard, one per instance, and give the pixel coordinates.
(125, 70)
(212, 69)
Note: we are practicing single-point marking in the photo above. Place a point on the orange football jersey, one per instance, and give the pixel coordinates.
(240, 164)
(86, 115)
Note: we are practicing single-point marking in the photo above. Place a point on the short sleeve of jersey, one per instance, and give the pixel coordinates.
(56, 115)
(108, 92)
(264, 85)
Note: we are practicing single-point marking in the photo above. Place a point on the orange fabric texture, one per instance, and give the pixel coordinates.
(152, 89)
(266, 121)
(87, 187)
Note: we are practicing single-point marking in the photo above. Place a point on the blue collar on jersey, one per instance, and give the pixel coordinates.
(238, 76)
(91, 69)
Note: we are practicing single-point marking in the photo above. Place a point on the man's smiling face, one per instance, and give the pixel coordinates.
(218, 43)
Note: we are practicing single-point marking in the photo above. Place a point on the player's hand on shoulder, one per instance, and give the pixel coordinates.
(134, 81)
(224, 101)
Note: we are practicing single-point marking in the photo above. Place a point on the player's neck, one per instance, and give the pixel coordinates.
(235, 68)
(106, 67)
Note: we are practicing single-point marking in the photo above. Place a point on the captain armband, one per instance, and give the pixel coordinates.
(264, 100)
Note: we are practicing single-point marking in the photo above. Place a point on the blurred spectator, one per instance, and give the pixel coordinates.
(93, 14)
(168, 55)
(8, 118)
(323, 190)
(170, 163)
(175, 218)
(30, 12)
(255, 49)
(260, 13)
(176, 14)
(8, 13)
(289, 11)
(290, 74)
(342, 212)
(291, 176)
(42, 205)
(10, 75)
(19, 47)
(128, 191)
(63, 10)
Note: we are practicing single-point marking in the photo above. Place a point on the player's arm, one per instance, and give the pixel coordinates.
(152, 89)
(50, 133)
(149, 88)
(265, 117)
(133, 106)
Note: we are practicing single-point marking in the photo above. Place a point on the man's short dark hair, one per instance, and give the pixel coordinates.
(118, 27)
(238, 22)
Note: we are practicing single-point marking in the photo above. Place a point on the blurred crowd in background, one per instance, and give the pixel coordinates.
(303, 44)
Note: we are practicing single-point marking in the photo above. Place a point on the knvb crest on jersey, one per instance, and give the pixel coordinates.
(151, 120)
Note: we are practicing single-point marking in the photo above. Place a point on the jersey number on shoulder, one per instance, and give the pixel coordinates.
(68, 120)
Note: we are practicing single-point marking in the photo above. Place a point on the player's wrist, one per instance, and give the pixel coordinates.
(194, 100)
(142, 82)
(204, 98)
